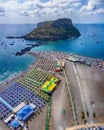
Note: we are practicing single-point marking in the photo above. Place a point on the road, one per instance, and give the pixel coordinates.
(71, 100)
(81, 93)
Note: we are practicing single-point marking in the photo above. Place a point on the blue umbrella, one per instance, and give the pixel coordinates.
(15, 124)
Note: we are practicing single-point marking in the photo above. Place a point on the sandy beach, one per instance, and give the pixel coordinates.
(86, 87)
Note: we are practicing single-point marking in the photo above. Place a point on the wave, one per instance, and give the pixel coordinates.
(7, 76)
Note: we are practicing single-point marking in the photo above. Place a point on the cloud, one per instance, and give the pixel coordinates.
(58, 7)
(2, 11)
(39, 6)
(97, 12)
(52, 9)
(93, 7)
(32, 5)
(24, 13)
(59, 3)
(2, 14)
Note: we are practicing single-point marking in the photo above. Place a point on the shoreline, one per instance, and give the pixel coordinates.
(8, 81)
(11, 79)
(81, 79)
(73, 58)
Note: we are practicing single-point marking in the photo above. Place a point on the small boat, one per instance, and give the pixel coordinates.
(11, 44)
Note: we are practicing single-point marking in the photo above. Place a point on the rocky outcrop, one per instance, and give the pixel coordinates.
(54, 30)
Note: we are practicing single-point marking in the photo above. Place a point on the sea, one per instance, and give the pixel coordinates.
(90, 44)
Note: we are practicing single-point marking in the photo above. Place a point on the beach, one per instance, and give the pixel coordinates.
(84, 82)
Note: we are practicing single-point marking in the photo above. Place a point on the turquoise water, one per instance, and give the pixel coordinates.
(91, 44)
(10, 64)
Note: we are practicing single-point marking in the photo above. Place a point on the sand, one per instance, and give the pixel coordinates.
(92, 90)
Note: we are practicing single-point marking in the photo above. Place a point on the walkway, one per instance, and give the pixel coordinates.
(6, 104)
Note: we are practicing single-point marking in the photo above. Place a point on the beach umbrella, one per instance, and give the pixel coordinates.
(15, 124)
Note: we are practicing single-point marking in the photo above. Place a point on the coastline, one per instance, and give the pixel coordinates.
(12, 78)
(72, 74)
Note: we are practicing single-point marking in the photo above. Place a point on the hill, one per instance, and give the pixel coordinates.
(59, 29)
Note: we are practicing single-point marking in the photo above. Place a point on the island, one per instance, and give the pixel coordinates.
(60, 29)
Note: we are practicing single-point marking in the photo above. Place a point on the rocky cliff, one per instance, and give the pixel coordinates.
(59, 29)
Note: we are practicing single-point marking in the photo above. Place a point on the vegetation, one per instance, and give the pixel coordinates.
(87, 113)
(83, 115)
(54, 30)
(94, 115)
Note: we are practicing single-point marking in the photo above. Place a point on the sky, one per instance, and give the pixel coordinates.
(34, 11)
